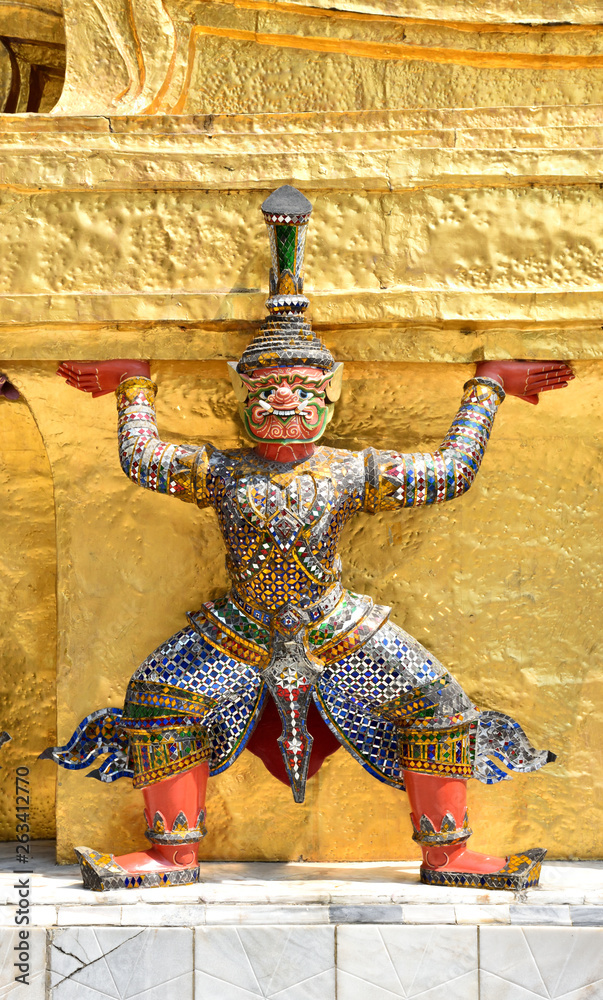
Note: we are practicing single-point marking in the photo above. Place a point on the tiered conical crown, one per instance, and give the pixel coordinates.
(286, 338)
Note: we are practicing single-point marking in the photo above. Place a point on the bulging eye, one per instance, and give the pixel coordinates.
(305, 394)
(266, 393)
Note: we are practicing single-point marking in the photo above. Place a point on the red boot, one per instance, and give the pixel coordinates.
(175, 815)
(440, 821)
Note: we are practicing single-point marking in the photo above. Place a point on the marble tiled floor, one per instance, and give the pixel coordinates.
(305, 932)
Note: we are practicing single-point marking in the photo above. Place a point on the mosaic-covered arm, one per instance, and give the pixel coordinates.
(180, 470)
(396, 480)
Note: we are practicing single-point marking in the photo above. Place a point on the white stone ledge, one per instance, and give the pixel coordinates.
(295, 894)
(529, 12)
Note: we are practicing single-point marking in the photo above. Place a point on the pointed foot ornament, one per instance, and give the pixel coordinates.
(521, 871)
(172, 860)
(102, 872)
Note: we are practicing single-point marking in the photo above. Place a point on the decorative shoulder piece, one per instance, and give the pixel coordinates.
(130, 388)
(488, 383)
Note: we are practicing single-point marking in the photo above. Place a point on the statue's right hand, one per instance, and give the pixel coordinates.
(101, 377)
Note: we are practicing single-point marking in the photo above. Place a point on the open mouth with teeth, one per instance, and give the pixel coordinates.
(302, 409)
(304, 423)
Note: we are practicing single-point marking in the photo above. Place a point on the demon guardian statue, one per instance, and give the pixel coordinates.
(290, 664)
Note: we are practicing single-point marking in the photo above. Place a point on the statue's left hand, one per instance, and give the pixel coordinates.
(100, 377)
(527, 379)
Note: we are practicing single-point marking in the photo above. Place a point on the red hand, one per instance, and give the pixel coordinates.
(101, 377)
(526, 379)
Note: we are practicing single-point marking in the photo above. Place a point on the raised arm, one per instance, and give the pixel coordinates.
(178, 470)
(410, 480)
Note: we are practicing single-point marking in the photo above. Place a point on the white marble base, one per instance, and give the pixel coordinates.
(243, 963)
(304, 932)
(381, 962)
(154, 963)
(522, 963)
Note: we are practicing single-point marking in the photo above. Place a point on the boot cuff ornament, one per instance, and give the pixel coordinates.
(286, 338)
(448, 833)
(180, 833)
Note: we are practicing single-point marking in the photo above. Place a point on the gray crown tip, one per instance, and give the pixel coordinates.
(287, 200)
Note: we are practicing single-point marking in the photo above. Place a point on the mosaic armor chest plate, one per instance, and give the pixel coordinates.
(281, 528)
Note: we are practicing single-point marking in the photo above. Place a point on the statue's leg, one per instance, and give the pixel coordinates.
(396, 709)
(441, 826)
(175, 813)
(187, 705)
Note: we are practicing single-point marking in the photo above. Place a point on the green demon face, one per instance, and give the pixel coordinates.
(292, 405)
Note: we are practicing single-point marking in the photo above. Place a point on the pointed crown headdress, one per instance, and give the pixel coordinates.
(286, 338)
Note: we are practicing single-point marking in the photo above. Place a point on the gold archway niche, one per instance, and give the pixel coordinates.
(28, 615)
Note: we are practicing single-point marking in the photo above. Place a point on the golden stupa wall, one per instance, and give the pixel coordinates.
(453, 156)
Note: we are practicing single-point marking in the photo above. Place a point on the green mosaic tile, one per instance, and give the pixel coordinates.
(285, 244)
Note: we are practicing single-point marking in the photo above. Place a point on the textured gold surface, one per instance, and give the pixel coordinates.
(459, 240)
(42, 21)
(500, 585)
(457, 226)
(247, 55)
(28, 615)
(477, 13)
